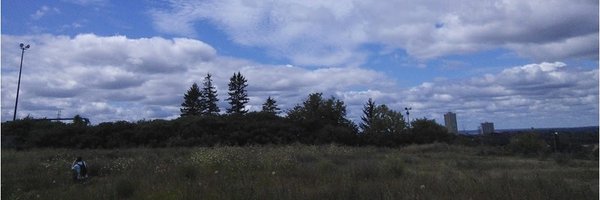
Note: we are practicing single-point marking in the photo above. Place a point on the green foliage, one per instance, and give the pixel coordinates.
(323, 120)
(208, 98)
(527, 143)
(327, 124)
(270, 106)
(428, 131)
(381, 120)
(433, 171)
(80, 121)
(387, 121)
(238, 97)
(319, 112)
(368, 116)
(191, 102)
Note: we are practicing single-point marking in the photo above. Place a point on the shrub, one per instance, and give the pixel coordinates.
(527, 143)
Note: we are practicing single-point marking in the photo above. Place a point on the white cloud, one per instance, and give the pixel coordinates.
(576, 47)
(120, 78)
(533, 92)
(326, 33)
(43, 11)
(87, 2)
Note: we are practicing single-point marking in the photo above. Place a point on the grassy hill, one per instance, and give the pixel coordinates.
(435, 171)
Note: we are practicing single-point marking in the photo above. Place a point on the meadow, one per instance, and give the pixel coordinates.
(432, 171)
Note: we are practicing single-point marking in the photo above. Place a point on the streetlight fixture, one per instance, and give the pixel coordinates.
(23, 47)
(408, 115)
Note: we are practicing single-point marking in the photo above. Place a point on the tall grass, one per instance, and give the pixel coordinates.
(435, 171)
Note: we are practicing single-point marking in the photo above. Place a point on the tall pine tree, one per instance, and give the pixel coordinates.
(368, 117)
(237, 94)
(191, 102)
(209, 97)
(270, 106)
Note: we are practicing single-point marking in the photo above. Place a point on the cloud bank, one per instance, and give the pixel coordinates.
(109, 78)
(118, 78)
(336, 32)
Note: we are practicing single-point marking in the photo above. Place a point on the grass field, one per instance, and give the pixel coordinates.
(436, 171)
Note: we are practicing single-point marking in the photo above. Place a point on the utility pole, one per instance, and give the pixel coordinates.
(23, 47)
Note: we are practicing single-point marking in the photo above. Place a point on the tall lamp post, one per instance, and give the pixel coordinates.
(408, 115)
(23, 47)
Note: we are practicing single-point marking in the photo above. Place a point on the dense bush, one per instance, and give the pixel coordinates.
(255, 128)
(527, 143)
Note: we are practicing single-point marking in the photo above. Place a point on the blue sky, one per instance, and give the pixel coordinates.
(516, 63)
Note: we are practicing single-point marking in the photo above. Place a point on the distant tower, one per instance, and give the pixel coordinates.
(487, 128)
(450, 121)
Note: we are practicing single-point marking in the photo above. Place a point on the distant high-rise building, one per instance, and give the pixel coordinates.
(450, 121)
(487, 128)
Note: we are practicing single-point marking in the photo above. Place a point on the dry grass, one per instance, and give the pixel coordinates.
(435, 171)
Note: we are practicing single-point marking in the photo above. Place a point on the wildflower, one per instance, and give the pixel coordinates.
(216, 171)
(422, 187)
(273, 173)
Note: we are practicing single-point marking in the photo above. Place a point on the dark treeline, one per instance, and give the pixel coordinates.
(253, 128)
(317, 120)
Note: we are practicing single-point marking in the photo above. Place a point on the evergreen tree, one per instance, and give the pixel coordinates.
(270, 106)
(381, 119)
(237, 94)
(368, 117)
(209, 98)
(191, 101)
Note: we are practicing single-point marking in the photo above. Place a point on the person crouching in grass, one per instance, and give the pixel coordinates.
(79, 168)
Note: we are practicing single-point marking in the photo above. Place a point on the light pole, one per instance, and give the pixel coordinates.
(23, 47)
(555, 142)
(408, 115)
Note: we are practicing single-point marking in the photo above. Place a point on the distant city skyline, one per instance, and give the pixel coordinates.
(521, 63)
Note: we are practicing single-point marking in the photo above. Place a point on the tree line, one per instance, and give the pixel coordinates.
(317, 120)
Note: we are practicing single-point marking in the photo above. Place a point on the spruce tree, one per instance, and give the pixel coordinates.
(191, 101)
(209, 98)
(237, 94)
(368, 117)
(270, 106)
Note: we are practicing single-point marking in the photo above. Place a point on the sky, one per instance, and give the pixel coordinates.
(518, 64)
